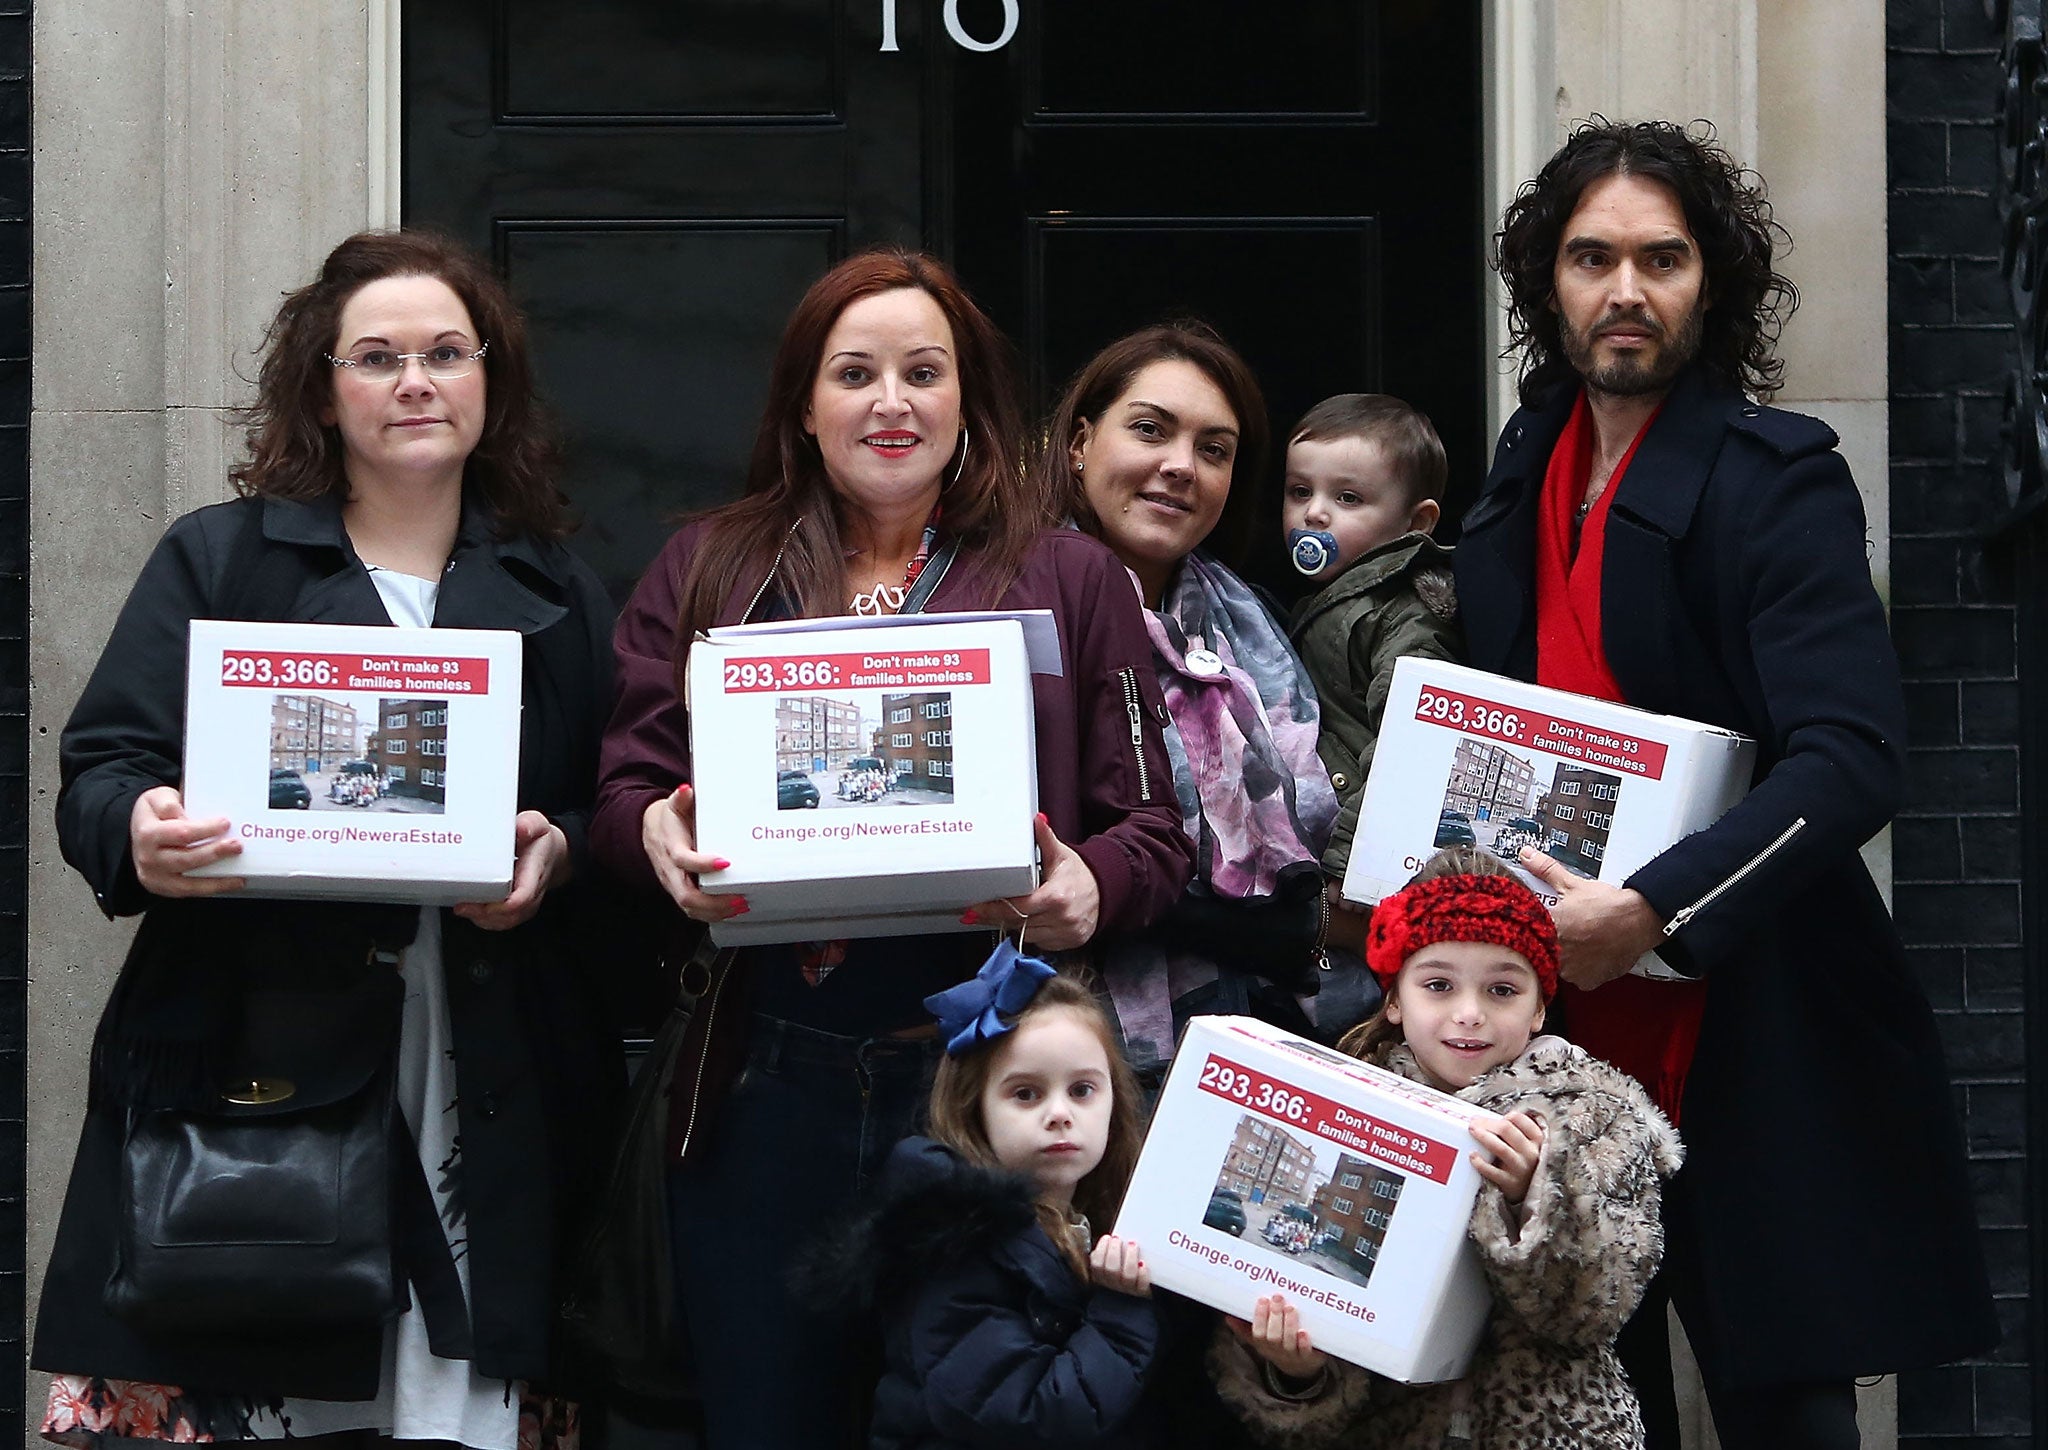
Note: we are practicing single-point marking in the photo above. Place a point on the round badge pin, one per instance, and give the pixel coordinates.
(1206, 663)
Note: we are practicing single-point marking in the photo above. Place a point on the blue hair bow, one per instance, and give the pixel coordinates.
(972, 1013)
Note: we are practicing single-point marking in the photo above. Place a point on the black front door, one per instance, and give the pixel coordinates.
(660, 179)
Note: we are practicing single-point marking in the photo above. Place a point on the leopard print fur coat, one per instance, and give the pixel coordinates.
(1567, 1269)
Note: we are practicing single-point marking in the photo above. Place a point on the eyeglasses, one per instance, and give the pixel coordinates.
(444, 363)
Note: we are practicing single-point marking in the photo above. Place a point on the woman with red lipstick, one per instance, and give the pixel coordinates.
(1143, 451)
(887, 459)
(398, 473)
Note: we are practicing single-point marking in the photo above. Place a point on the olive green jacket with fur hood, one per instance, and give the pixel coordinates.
(1567, 1268)
(1394, 600)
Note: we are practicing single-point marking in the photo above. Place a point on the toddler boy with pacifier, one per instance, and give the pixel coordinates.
(1365, 472)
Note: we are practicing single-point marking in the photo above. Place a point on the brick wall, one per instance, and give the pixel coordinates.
(1956, 844)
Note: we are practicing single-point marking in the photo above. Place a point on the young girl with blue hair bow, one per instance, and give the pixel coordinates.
(1005, 1320)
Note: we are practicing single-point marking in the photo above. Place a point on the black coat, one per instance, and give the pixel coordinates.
(1822, 1226)
(990, 1339)
(537, 1067)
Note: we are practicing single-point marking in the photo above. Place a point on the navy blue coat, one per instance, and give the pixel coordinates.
(989, 1338)
(1822, 1226)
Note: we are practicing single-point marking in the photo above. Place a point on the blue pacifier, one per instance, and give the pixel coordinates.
(1312, 550)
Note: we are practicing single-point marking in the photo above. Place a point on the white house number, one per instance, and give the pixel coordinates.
(953, 27)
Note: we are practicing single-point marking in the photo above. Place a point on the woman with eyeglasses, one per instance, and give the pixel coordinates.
(398, 474)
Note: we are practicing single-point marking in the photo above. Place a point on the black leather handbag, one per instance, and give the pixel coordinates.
(619, 1313)
(272, 1210)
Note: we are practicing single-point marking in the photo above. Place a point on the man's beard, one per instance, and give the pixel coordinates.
(1632, 375)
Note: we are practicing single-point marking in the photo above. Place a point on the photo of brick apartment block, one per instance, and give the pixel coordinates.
(410, 749)
(817, 732)
(1487, 799)
(1265, 1161)
(1354, 1208)
(915, 743)
(835, 752)
(352, 754)
(1489, 782)
(1297, 1196)
(1575, 816)
(312, 733)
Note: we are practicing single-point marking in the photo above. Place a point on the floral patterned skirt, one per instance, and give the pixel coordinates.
(97, 1414)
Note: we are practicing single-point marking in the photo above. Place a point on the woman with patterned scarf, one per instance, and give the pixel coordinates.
(1142, 449)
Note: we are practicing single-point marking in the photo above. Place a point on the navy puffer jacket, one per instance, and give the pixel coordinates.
(989, 1338)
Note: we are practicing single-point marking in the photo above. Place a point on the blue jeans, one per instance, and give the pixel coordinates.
(804, 1129)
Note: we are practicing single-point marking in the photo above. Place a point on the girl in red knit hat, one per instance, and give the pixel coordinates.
(1567, 1219)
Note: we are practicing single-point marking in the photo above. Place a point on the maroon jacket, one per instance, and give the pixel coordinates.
(1105, 783)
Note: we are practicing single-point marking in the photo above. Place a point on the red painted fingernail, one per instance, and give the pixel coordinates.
(968, 918)
(721, 864)
(1042, 820)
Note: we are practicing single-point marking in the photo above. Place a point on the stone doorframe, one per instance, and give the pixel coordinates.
(194, 162)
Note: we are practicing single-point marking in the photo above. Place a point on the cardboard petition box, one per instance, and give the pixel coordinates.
(357, 761)
(1465, 757)
(869, 779)
(1274, 1164)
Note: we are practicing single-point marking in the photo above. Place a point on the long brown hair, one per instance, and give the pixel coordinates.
(956, 1121)
(789, 504)
(1109, 375)
(293, 455)
(1376, 1033)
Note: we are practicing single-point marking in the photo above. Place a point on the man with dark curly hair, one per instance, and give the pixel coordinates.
(1651, 533)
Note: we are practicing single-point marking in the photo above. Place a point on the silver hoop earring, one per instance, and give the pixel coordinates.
(961, 467)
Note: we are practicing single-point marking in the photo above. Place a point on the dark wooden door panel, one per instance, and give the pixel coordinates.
(661, 178)
(1307, 179)
(1179, 61)
(1088, 280)
(663, 387)
(705, 62)
(659, 182)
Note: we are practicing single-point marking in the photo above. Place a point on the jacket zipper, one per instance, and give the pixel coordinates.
(703, 1062)
(773, 568)
(1685, 914)
(1130, 679)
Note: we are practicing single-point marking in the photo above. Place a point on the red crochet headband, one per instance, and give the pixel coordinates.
(1496, 909)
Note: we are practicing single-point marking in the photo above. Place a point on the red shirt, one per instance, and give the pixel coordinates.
(1646, 1028)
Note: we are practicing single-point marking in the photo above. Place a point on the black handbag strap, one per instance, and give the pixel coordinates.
(420, 1250)
(702, 971)
(928, 578)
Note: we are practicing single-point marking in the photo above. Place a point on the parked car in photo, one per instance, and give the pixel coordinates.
(288, 791)
(794, 790)
(1225, 1211)
(1454, 828)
